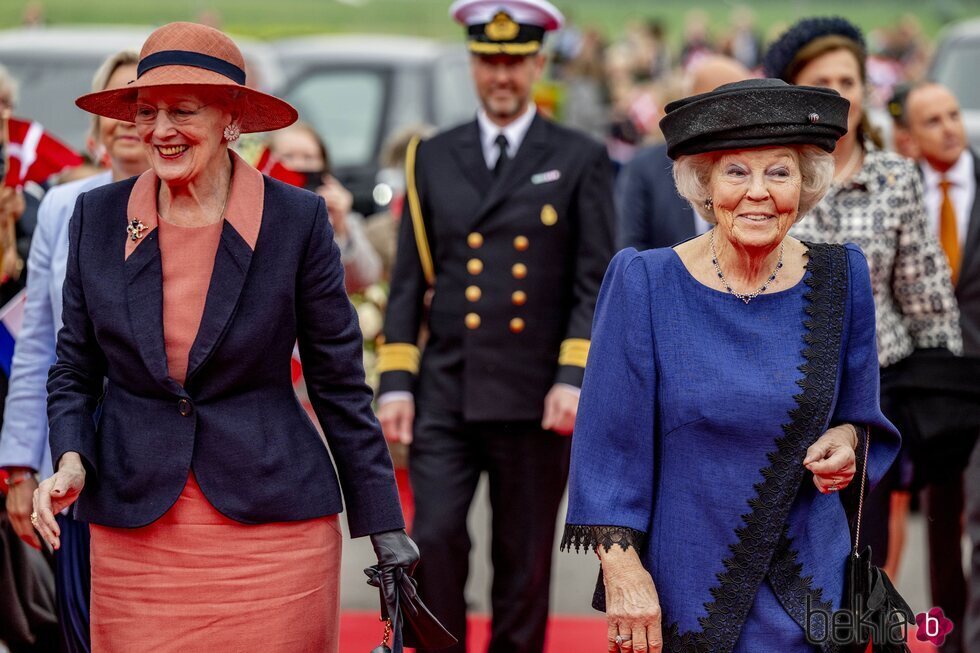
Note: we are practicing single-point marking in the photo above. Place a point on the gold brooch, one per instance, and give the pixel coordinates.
(502, 28)
(135, 229)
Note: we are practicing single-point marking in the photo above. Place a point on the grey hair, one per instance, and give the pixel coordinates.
(101, 78)
(9, 84)
(692, 176)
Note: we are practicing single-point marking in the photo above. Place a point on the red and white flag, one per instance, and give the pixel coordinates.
(270, 165)
(33, 154)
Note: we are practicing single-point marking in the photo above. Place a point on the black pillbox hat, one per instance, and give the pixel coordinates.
(755, 113)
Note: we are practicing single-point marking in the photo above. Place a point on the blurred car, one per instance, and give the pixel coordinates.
(356, 91)
(54, 65)
(955, 65)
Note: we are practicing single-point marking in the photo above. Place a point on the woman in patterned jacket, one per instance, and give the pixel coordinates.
(875, 201)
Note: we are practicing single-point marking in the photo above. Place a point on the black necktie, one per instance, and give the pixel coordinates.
(502, 158)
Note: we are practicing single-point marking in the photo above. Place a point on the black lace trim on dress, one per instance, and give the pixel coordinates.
(762, 527)
(796, 593)
(583, 536)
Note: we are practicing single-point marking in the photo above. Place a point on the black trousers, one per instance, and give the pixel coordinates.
(942, 505)
(527, 469)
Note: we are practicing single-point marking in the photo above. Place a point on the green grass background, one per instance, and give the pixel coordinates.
(277, 18)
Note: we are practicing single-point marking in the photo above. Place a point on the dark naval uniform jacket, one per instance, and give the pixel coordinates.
(514, 263)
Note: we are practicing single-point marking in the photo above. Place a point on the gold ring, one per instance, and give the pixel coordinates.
(34, 519)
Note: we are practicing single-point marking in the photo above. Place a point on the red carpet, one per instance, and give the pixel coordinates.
(360, 632)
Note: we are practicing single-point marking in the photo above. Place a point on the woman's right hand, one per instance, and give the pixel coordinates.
(57, 493)
(632, 603)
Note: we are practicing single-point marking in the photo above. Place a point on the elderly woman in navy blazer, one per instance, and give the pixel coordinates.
(173, 420)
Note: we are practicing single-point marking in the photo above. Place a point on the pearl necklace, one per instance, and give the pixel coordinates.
(721, 275)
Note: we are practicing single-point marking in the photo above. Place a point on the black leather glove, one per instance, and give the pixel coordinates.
(395, 549)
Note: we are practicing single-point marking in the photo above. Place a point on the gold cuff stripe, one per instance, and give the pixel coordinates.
(398, 357)
(415, 208)
(574, 351)
(482, 47)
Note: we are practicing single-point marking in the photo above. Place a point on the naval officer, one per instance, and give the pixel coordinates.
(508, 230)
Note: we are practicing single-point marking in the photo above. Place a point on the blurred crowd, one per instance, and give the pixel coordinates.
(616, 89)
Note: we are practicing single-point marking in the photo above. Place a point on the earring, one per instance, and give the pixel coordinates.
(709, 203)
(232, 132)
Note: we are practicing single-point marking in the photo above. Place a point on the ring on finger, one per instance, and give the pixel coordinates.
(620, 639)
(34, 519)
(833, 488)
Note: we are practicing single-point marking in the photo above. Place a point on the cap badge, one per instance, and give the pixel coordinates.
(814, 118)
(502, 28)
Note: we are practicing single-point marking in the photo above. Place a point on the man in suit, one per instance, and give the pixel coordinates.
(929, 126)
(509, 222)
(650, 211)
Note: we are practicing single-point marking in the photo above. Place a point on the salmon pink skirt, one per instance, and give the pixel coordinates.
(195, 581)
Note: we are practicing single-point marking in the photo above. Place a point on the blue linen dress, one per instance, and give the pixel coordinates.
(695, 415)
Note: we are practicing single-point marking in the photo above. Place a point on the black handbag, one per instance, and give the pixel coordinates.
(879, 613)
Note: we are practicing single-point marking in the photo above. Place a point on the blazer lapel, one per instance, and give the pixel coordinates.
(469, 153)
(533, 149)
(239, 235)
(972, 240)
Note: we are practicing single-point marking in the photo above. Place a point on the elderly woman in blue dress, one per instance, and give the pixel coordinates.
(730, 387)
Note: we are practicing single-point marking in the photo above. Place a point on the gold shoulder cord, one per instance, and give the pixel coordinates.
(415, 208)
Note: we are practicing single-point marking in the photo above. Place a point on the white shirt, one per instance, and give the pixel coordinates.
(514, 132)
(962, 193)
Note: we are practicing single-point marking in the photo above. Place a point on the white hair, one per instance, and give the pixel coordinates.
(692, 176)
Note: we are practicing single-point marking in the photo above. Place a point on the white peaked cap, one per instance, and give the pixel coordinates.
(526, 12)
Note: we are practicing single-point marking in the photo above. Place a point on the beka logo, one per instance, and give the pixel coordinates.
(932, 626)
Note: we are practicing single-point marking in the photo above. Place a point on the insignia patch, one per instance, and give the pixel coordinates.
(546, 177)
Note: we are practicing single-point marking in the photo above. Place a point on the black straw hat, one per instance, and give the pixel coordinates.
(755, 113)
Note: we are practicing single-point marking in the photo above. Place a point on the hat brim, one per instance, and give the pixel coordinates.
(263, 112)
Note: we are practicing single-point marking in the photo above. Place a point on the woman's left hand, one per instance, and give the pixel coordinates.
(832, 460)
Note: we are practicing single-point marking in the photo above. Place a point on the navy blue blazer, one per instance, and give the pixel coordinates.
(650, 211)
(236, 421)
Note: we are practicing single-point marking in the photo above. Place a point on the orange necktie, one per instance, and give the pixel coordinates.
(949, 238)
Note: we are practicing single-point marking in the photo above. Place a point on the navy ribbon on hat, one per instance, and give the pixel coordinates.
(188, 58)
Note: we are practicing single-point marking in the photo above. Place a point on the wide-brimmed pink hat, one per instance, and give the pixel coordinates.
(192, 55)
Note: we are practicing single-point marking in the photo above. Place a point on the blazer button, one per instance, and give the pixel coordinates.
(472, 321)
(519, 270)
(518, 298)
(473, 293)
(474, 266)
(185, 407)
(516, 325)
(521, 243)
(474, 240)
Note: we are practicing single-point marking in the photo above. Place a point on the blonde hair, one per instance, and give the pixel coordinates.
(105, 72)
(692, 176)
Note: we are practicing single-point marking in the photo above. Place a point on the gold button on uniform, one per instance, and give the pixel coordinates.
(518, 298)
(521, 243)
(549, 216)
(519, 270)
(474, 266)
(475, 240)
(473, 293)
(472, 321)
(517, 325)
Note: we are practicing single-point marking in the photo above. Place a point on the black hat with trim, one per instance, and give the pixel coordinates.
(755, 113)
(782, 53)
(514, 27)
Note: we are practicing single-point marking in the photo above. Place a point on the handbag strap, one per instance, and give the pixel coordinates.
(864, 478)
